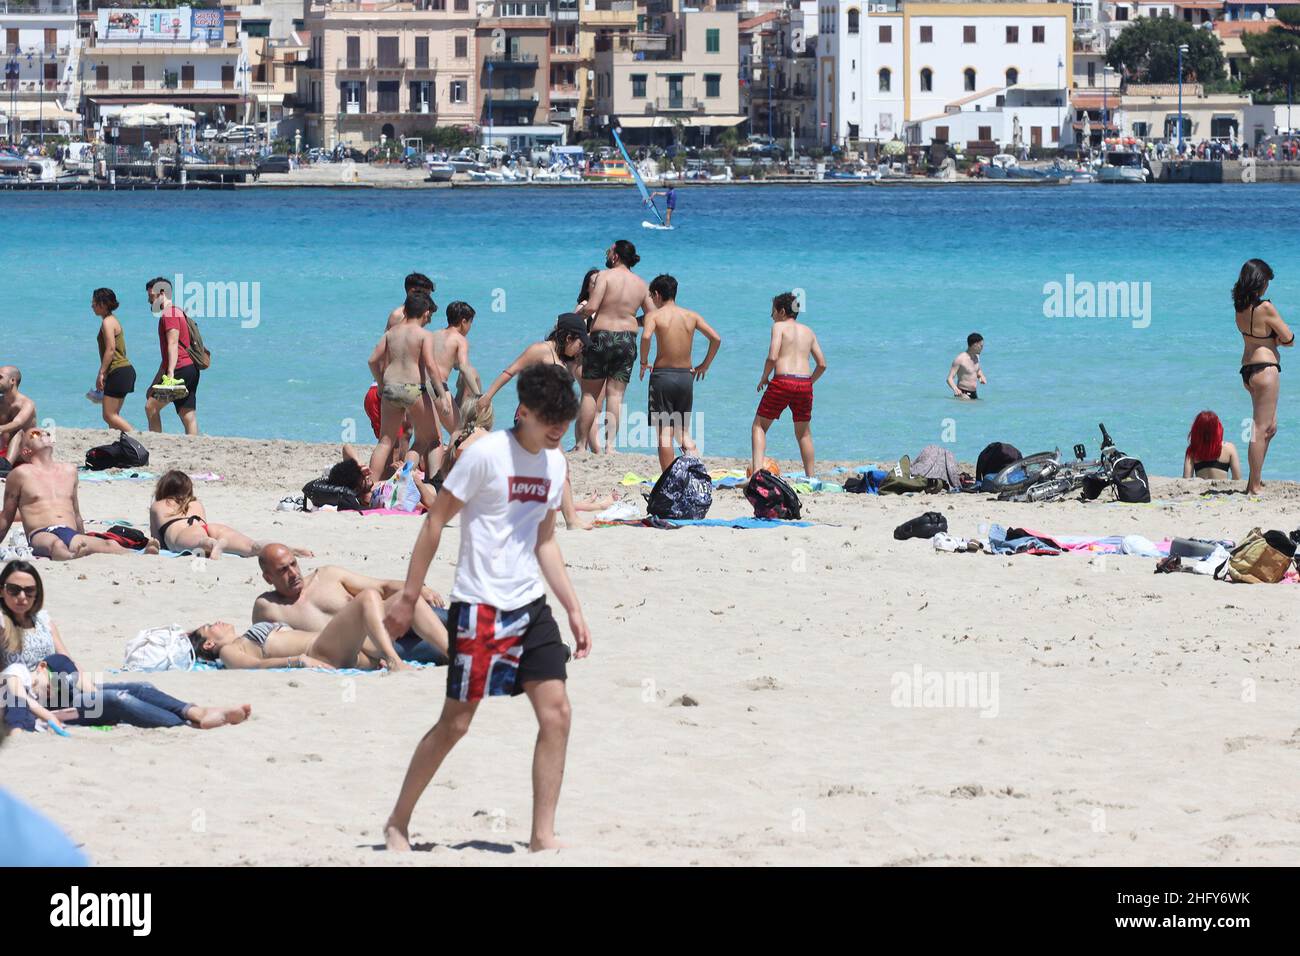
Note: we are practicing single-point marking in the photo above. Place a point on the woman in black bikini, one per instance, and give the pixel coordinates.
(180, 523)
(1263, 332)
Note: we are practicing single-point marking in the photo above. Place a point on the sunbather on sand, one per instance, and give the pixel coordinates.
(354, 637)
(311, 602)
(43, 493)
(178, 519)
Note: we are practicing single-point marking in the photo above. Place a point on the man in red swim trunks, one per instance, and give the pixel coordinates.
(792, 386)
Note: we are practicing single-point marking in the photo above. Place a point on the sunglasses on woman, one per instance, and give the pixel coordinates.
(13, 590)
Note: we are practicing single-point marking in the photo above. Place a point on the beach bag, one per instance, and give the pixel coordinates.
(126, 452)
(994, 458)
(684, 490)
(160, 649)
(197, 351)
(896, 485)
(124, 535)
(1262, 558)
(926, 526)
(1130, 479)
(772, 497)
(321, 493)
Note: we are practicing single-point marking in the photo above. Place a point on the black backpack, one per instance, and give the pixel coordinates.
(926, 526)
(684, 490)
(321, 493)
(5, 467)
(126, 452)
(994, 458)
(772, 497)
(1130, 480)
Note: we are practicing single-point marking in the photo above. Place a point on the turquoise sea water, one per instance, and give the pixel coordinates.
(894, 279)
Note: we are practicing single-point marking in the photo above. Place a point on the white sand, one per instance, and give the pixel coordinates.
(1140, 719)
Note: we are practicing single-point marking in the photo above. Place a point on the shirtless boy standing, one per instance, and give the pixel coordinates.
(451, 351)
(673, 377)
(792, 386)
(409, 383)
(965, 376)
(17, 413)
(607, 363)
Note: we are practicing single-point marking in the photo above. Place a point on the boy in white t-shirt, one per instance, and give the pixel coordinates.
(507, 487)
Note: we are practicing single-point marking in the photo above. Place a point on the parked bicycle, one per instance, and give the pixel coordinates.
(1046, 477)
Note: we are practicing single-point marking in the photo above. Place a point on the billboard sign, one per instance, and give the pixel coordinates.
(150, 25)
(209, 25)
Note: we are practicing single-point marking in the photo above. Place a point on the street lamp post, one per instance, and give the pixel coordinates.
(1105, 103)
(40, 109)
(770, 67)
(1060, 65)
(1182, 48)
(489, 102)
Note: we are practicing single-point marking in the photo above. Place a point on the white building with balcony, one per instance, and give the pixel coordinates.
(40, 68)
(195, 59)
(885, 67)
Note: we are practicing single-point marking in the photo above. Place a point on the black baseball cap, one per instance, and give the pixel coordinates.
(575, 323)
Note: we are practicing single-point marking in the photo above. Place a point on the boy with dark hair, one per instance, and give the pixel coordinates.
(506, 487)
(415, 282)
(673, 376)
(402, 363)
(965, 376)
(792, 386)
(451, 351)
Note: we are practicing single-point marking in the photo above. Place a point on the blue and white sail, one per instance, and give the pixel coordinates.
(636, 175)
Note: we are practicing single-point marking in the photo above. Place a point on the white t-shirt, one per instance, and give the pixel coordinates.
(20, 671)
(507, 492)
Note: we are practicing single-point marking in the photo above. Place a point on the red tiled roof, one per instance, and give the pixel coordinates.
(759, 20)
(1235, 28)
(1095, 101)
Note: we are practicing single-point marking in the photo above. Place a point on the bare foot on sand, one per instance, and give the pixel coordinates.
(537, 846)
(213, 717)
(151, 547)
(395, 838)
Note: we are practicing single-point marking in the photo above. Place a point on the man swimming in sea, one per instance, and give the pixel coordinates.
(966, 370)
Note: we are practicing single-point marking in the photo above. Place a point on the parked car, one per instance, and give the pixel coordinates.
(209, 133)
(237, 134)
(273, 164)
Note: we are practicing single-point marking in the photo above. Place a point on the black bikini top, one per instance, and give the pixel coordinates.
(1251, 324)
(1221, 465)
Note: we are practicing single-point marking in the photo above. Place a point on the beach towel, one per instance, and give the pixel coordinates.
(1019, 541)
(342, 672)
(743, 523)
(935, 461)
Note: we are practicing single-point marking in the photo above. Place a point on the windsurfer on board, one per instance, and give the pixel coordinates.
(670, 201)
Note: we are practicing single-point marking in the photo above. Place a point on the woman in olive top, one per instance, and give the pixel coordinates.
(116, 378)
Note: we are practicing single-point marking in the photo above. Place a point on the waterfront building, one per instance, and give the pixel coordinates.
(913, 70)
(778, 61)
(513, 70)
(192, 58)
(675, 79)
(40, 56)
(598, 19)
(379, 72)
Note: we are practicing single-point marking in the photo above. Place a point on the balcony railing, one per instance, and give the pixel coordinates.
(36, 51)
(564, 51)
(34, 86)
(511, 59)
(676, 104)
(158, 84)
(564, 92)
(393, 63)
(41, 7)
(357, 63)
(513, 99)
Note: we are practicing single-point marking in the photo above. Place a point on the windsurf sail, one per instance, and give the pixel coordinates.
(636, 175)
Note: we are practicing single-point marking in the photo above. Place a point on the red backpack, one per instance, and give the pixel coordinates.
(772, 497)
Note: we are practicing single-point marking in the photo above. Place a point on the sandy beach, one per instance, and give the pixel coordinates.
(740, 705)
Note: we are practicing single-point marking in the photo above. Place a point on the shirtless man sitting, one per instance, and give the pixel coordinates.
(44, 493)
(965, 376)
(17, 413)
(312, 602)
(607, 363)
(451, 351)
(673, 376)
(791, 387)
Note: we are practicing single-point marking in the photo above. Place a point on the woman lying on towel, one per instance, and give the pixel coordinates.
(180, 523)
(354, 637)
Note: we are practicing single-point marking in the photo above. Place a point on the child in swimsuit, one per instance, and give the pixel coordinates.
(403, 363)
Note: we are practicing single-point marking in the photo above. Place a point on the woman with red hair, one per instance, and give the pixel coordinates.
(1208, 455)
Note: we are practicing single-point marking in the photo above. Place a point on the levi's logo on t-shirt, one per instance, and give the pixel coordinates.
(529, 489)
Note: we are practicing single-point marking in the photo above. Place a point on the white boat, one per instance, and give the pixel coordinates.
(487, 176)
(1122, 166)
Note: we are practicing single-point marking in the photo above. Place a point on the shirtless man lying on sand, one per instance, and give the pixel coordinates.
(355, 637)
(44, 493)
(312, 602)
